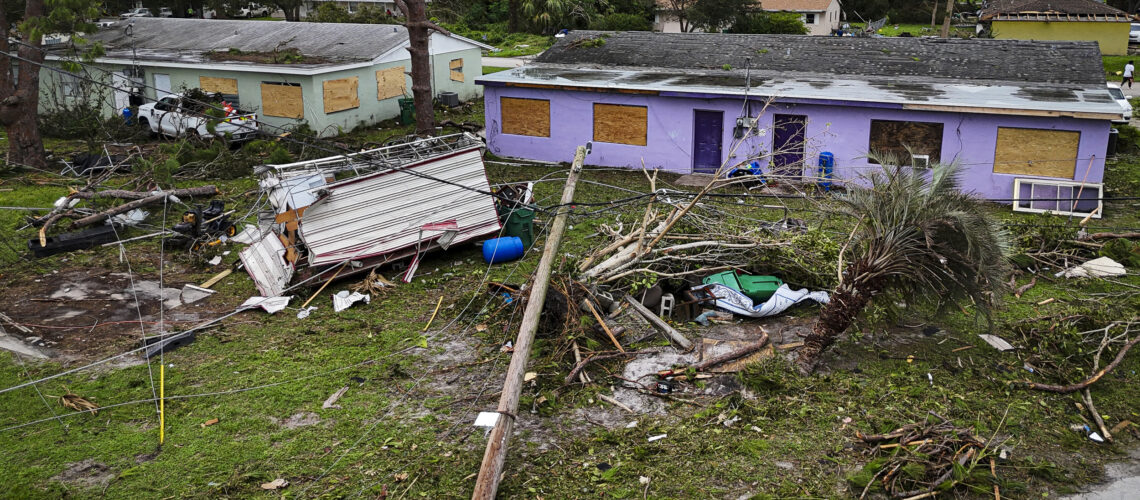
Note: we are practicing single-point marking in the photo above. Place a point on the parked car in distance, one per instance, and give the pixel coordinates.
(1134, 34)
(254, 10)
(1122, 100)
(139, 12)
(165, 12)
(177, 117)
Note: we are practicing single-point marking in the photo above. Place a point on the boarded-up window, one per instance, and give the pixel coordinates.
(282, 99)
(341, 94)
(218, 85)
(456, 70)
(525, 116)
(896, 137)
(1046, 153)
(621, 124)
(390, 83)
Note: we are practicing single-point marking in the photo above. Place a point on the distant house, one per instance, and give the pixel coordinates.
(820, 16)
(1031, 114)
(330, 76)
(1059, 20)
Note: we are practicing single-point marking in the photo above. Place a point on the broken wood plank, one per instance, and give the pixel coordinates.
(602, 323)
(673, 334)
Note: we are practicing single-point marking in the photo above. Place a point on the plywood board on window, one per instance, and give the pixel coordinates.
(219, 85)
(895, 137)
(1045, 153)
(341, 94)
(621, 124)
(285, 101)
(456, 66)
(391, 83)
(525, 116)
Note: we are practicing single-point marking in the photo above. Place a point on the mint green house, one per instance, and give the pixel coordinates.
(333, 77)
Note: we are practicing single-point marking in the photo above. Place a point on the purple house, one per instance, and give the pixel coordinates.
(1027, 120)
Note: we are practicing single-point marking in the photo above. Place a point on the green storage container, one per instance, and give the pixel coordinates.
(757, 288)
(520, 222)
(407, 110)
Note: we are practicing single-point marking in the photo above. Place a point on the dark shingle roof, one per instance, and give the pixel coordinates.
(850, 57)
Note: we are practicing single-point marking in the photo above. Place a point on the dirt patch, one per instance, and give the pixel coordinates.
(86, 474)
(298, 420)
(85, 313)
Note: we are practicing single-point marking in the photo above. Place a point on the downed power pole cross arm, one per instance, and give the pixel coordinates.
(487, 482)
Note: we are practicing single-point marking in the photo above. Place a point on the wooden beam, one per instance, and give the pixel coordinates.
(673, 334)
(1016, 112)
(490, 473)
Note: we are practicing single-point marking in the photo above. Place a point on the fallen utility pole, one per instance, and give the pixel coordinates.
(490, 473)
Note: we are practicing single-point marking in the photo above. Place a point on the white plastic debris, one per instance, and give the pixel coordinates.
(1096, 437)
(343, 299)
(995, 341)
(270, 304)
(1102, 267)
(304, 313)
(657, 437)
(631, 425)
(215, 261)
(62, 201)
(132, 218)
(191, 294)
(486, 419)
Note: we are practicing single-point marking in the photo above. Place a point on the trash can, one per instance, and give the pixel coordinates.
(826, 170)
(757, 288)
(520, 223)
(1113, 136)
(407, 111)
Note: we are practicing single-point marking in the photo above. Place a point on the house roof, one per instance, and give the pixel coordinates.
(1051, 10)
(1014, 75)
(200, 40)
(795, 5)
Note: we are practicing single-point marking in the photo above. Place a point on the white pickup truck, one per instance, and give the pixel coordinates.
(175, 116)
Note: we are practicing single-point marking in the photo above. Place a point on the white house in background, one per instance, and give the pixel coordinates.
(820, 16)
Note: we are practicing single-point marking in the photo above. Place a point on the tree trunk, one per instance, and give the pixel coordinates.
(513, 16)
(834, 318)
(946, 21)
(419, 31)
(19, 95)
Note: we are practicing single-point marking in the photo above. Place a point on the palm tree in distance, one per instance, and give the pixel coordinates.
(918, 236)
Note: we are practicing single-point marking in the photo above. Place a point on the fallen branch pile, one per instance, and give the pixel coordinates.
(139, 199)
(917, 460)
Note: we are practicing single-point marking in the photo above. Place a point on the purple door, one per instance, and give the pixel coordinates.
(788, 145)
(708, 130)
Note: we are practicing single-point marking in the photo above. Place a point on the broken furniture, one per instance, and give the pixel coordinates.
(757, 288)
(371, 208)
(204, 227)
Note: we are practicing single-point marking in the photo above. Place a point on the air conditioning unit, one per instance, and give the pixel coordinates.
(449, 99)
(920, 161)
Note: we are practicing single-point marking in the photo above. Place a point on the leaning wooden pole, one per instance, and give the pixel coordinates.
(487, 483)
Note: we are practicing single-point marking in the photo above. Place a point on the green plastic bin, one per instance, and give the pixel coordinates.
(520, 222)
(757, 288)
(407, 110)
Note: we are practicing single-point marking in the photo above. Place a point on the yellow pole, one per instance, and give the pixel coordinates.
(437, 304)
(161, 402)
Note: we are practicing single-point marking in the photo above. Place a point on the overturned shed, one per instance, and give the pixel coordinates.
(372, 207)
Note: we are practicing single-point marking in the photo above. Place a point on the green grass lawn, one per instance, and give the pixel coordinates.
(1114, 66)
(493, 69)
(916, 30)
(404, 425)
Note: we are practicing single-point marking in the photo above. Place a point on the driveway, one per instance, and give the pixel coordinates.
(514, 62)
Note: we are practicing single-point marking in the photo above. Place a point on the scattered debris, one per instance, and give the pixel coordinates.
(343, 299)
(657, 437)
(997, 342)
(209, 422)
(269, 304)
(330, 403)
(738, 303)
(275, 484)
(1101, 267)
(192, 294)
(77, 403)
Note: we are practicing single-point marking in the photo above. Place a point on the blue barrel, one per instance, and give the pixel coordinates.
(826, 169)
(503, 249)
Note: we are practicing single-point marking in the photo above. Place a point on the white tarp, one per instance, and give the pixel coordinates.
(737, 303)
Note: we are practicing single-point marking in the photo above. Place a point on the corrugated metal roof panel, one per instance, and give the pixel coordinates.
(265, 262)
(382, 212)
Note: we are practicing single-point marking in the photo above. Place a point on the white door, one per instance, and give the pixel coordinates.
(161, 85)
(122, 90)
